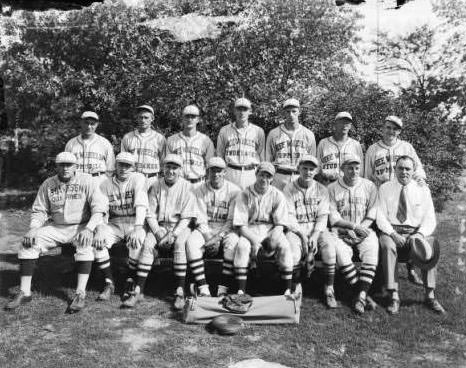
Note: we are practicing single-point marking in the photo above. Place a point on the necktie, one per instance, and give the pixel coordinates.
(401, 213)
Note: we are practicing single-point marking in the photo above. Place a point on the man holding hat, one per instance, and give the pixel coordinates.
(308, 202)
(332, 151)
(75, 206)
(194, 147)
(94, 153)
(171, 207)
(241, 144)
(214, 234)
(261, 215)
(353, 209)
(287, 143)
(406, 216)
(145, 143)
(128, 204)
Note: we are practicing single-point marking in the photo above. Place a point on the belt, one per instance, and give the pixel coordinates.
(150, 175)
(405, 229)
(98, 173)
(196, 180)
(242, 167)
(281, 170)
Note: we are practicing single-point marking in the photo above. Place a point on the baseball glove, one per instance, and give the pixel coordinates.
(226, 324)
(238, 304)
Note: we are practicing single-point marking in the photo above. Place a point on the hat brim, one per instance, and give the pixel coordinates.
(173, 162)
(266, 170)
(216, 167)
(316, 164)
(65, 162)
(126, 162)
(432, 262)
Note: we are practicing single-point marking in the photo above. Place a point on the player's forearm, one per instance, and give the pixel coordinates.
(96, 219)
(367, 222)
(140, 215)
(182, 224)
(384, 225)
(153, 224)
(321, 223)
(345, 224)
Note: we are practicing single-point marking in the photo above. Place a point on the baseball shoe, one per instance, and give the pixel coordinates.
(394, 306)
(222, 291)
(131, 301)
(435, 306)
(77, 303)
(108, 291)
(371, 304)
(128, 289)
(179, 301)
(414, 278)
(330, 300)
(18, 300)
(359, 306)
(204, 291)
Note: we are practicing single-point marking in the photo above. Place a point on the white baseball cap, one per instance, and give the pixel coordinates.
(343, 115)
(293, 102)
(267, 167)
(90, 115)
(191, 110)
(216, 162)
(125, 157)
(309, 158)
(65, 158)
(395, 120)
(243, 102)
(351, 159)
(146, 108)
(173, 159)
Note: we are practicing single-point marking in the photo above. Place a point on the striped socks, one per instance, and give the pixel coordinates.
(366, 276)
(350, 274)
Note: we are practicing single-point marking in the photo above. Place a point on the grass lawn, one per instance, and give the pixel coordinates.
(102, 335)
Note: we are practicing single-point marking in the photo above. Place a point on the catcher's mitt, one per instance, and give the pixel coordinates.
(226, 324)
(235, 303)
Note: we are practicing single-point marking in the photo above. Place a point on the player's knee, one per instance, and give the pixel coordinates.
(84, 254)
(387, 244)
(243, 247)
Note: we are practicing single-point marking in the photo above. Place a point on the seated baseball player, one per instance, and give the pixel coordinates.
(214, 234)
(261, 215)
(406, 216)
(352, 211)
(75, 206)
(171, 207)
(127, 196)
(308, 203)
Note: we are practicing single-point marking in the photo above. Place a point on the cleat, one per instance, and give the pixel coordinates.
(179, 302)
(128, 289)
(222, 291)
(77, 303)
(204, 292)
(108, 291)
(359, 306)
(330, 300)
(435, 306)
(371, 304)
(287, 292)
(393, 307)
(17, 301)
(132, 300)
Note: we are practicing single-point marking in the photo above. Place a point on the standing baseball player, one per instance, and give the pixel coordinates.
(406, 214)
(75, 206)
(194, 147)
(128, 204)
(380, 165)
(261, 215)
(332, 151)
(241, 144)
(94, 152)
(287, 143)
(145, 143)
(308, 202)
(171, 208)
(214, 234)
(352, 211)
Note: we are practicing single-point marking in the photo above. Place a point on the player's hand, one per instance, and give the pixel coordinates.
(168, 239)
(361, 231)
(159, 234)
(398, 239)
(313, 244)
(29, 240)
(136, 237)
(99, 240)
(85, 237)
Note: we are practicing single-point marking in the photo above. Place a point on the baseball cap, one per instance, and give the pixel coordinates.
(173, 159)
(216, 162)
(267, 167)
(243, 102)
(351, 159)
(309, 158)
(191, 110)
(343, 115)
(293, 102)
(146, 108)
(65, 158)
(90, 115)
(395, 120)
(126, 157)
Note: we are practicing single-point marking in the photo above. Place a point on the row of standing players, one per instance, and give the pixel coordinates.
(191, 218)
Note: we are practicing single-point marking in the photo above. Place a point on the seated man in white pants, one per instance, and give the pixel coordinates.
(308, 202)
(261, 213)
(127, 196)
(352, 211)
(75, 206)
(171, 207)
(214, 234)
(406, 213)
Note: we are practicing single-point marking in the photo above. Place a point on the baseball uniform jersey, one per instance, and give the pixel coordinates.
(148, 148)
(94, 155)
(381, 160)
(196, 151)
(331, 154)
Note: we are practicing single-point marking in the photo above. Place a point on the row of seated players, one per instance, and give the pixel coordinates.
(259, 222)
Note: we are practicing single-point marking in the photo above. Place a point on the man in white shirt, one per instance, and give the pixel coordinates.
(406, 211)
